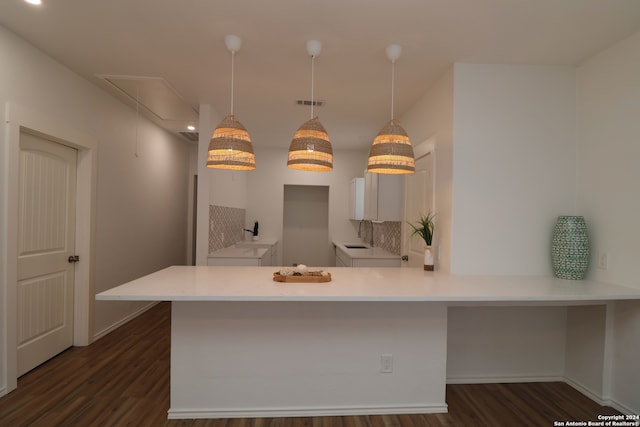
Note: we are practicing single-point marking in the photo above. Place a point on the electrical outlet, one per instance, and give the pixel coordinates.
(386, 363)
(603, 262)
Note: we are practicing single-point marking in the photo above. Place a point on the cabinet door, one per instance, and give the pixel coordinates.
(383, 197)
(370, 196)
(390, 197)
(356, 199)
(342, 259)
(376, 262)
(266, 259)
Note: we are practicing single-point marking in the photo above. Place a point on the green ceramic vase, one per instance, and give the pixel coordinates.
(570, 248)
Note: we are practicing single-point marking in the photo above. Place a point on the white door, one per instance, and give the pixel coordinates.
(418, 201)
(46, 240)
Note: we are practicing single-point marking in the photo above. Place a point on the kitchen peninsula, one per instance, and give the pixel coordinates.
(371, 341)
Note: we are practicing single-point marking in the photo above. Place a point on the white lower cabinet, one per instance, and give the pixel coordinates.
(239, 262)
(271, 258)
(343, 259)
(242, 255)
(375, 262)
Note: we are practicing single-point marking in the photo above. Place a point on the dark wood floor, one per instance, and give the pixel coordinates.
(123, 380)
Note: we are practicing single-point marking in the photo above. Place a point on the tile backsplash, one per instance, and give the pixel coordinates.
(226, 226)
(386, 235)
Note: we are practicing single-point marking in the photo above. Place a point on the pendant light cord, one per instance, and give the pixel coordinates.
(233, 54)
(313, 60)
(393, 72)
(135, 151)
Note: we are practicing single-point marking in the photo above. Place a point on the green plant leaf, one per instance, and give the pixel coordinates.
(424, 228)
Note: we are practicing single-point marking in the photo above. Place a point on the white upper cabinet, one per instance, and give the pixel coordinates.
(356, 199)
(383, 197)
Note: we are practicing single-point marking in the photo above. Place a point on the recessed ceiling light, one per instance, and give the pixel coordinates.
(191, 127)
(36, 2)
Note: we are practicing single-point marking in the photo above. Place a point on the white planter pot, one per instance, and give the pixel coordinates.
(428, 259)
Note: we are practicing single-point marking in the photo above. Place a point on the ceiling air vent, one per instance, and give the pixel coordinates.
(306, 102)
(191, 136)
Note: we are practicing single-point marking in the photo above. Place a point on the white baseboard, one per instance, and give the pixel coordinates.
(122, 321)
(506, 379)
(3, 391)
(620, 407)
(176, 413)
(590, 394)
(601, 400)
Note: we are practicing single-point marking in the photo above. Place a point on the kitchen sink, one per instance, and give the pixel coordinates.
(356, 247)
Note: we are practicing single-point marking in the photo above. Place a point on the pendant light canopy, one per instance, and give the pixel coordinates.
(230, 145)
(391, 151)
(310, 149)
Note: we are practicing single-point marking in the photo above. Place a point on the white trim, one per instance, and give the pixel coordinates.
(3, 391)
(122, 321)
(590, 394)
(19, 119)
(620, 407)
(506, 379)
(425, 147)
(176, 413)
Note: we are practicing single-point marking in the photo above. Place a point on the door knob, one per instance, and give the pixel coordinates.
(73, 258)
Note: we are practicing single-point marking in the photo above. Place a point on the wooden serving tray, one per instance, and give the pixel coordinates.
(301, 279)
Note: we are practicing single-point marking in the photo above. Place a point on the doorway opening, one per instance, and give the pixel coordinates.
(305, 228)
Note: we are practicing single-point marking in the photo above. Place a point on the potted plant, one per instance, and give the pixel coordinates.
(424, 228)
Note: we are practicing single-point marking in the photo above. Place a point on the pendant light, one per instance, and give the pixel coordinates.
(310, 149)
(391, 151)
(230, 145)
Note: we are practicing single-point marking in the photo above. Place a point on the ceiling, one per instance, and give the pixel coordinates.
(181, 44)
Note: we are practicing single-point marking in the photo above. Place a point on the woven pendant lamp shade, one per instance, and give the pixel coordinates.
(310, 149)
(230, 146)
(391, 151)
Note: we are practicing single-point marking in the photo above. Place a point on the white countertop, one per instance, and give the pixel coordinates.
(239, 252)
(187, 283)
(370, 252)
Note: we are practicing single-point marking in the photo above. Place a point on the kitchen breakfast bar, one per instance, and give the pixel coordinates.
(370, 341)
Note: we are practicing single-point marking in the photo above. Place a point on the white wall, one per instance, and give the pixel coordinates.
(142, 204)
(585, 360)
(432, 117)
(608, 106)
(265, 192)
(215, 186)
(505, 344)
(505, 169)
(514, 166)
(608, 156)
